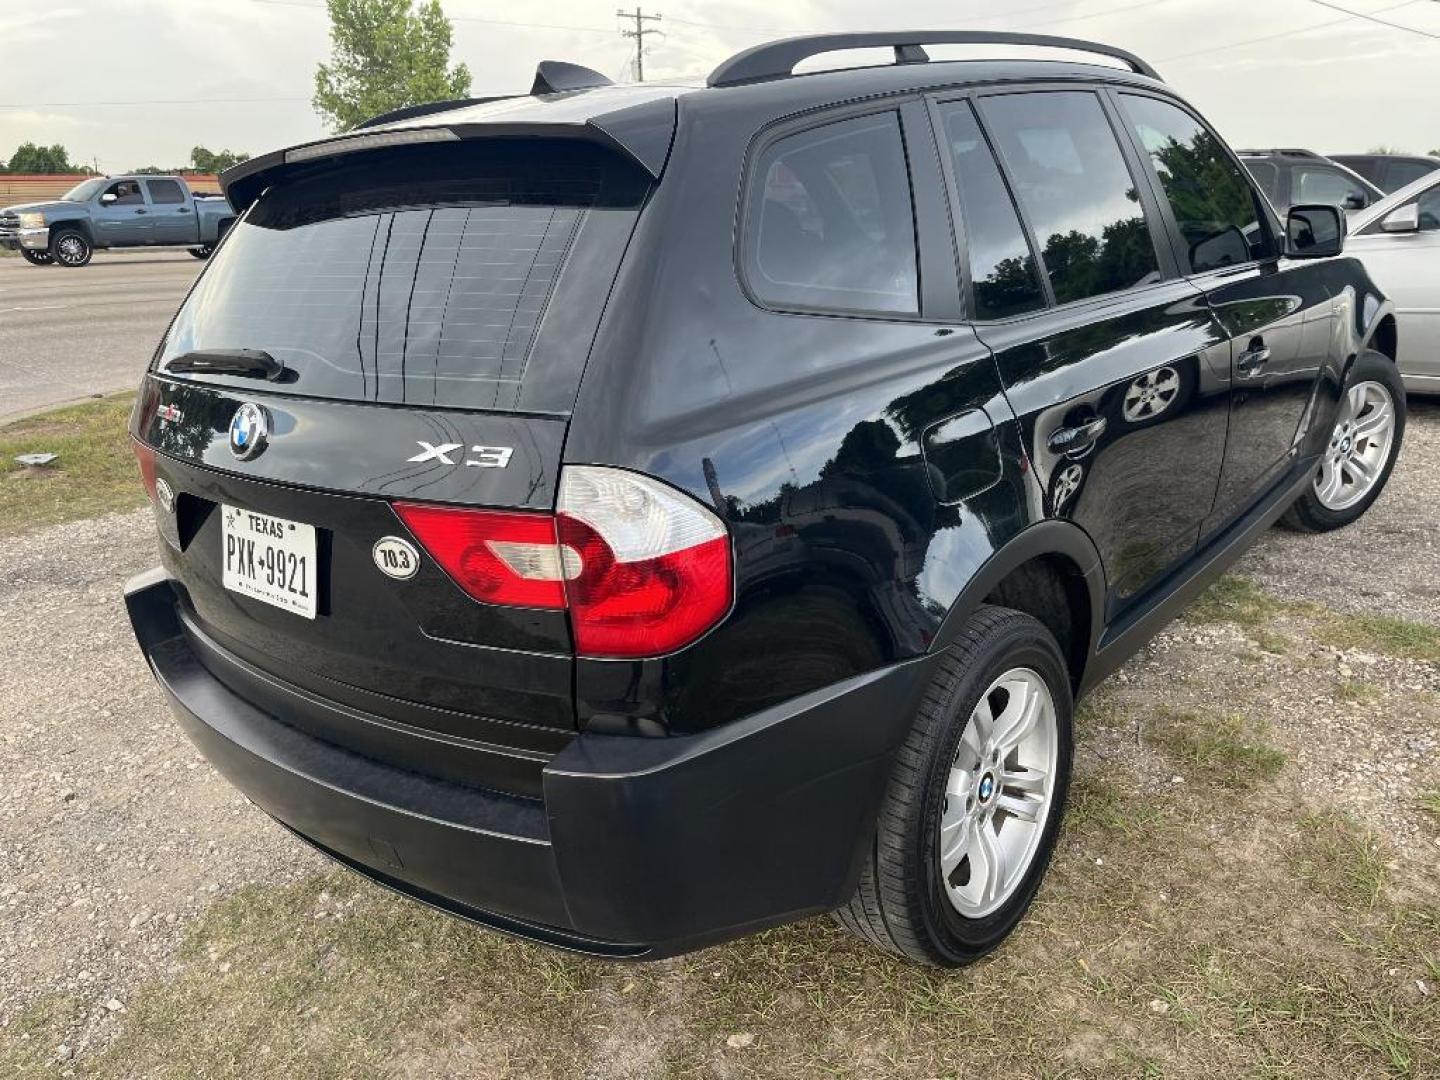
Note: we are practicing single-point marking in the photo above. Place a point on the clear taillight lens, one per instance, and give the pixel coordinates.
(643, 568)
(650, 570)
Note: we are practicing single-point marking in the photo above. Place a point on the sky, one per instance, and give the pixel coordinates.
(128, 83)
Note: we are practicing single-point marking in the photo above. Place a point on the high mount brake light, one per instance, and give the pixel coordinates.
(643, 568)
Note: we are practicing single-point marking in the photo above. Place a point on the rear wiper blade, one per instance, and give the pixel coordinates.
(254, 363)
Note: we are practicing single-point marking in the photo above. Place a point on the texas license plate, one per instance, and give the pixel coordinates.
(269, 559)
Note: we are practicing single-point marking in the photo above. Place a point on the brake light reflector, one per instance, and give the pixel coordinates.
(651, 568)
(146, 457)
(497, 556)
(643, 568)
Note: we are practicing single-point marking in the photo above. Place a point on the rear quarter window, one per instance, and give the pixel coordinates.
(829, 220)
(421, 278)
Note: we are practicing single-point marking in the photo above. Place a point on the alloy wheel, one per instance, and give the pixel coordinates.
(70, 250)
(1151, 394)
(998, 794)
(1359, 446)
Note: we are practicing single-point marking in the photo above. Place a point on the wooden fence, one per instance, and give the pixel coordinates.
(19, 188)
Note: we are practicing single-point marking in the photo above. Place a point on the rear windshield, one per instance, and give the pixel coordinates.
(421, 278)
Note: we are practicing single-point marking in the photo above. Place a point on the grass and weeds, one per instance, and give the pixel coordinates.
(1430, 803)
(1171, 939)
(94, 474)
(1226, 750)
(1383, 634)
(1240, 601)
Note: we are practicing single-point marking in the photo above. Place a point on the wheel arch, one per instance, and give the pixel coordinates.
(79, 224)
(1045, 559)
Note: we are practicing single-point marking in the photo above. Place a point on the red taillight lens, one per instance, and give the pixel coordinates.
(146, 457)
(495, 556)
(643, 568)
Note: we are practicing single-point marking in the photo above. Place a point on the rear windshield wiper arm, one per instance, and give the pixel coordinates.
(253, 363)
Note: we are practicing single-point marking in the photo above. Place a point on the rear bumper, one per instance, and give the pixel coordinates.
(637, 847)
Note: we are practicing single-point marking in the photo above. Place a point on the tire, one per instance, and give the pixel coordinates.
(37, 258)
(1330, 502)
(204, 251)
(70, 248)
(906, 901)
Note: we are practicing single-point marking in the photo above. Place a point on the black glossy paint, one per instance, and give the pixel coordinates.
(879, 478)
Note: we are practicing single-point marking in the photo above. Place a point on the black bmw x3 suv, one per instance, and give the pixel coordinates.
(629, 517)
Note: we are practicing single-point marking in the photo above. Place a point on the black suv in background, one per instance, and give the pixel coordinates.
(629, 517)
(1297, 177)
(1388, 172)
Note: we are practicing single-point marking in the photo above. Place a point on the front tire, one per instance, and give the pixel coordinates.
(71, 248)
(1361, 453)
(37, 258)
(973, 809)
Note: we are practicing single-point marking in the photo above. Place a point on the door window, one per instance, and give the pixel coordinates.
(1400, 173)
(1268, 177)
(126, 192)
(165, 192)
(1319, 184)
(1073, 185)
(1004, 278)
(830, 222)
(1215, 208)
(1429, 204)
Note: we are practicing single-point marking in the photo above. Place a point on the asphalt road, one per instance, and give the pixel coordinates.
(68, 334)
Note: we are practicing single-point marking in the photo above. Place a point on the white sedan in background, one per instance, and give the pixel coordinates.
(1398, 239)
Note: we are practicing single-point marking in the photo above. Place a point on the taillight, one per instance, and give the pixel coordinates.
(643, 568)
(652, 566)
(495, 556)
(146, 457)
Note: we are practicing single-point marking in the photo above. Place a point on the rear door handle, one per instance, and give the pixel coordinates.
(183, 210)
(142, 211)
(1254, 358)
(1067, 439)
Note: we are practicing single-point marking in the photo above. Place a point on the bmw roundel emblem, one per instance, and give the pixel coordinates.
(248, 431)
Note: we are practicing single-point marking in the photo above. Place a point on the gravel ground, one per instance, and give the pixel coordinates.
(114, 834)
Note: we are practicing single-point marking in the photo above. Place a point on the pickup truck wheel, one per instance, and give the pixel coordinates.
(974, 805)
(204, 251)
(37, 258)
(1361, 451)
(70, 248)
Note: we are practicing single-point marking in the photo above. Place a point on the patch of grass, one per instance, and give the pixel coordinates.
(1340, 859)
(1382, 634)
(1430, 802)
(95, 473)
(1240, 601)
(1356, 692)
(1229, 750)
(1271, 642)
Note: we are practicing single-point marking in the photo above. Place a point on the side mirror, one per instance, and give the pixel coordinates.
(108, 198)
(1403, 219)
(1314, 232)
(1356, 201)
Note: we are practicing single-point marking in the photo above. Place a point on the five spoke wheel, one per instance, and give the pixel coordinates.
(997, 796)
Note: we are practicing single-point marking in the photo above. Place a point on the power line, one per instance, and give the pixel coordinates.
(639, 33)
(461, 18)
(1282, 34)
(1372, 18)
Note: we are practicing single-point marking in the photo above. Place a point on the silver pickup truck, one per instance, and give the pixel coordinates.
(116, 212)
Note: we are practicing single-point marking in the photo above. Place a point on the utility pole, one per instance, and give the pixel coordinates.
(639, 33)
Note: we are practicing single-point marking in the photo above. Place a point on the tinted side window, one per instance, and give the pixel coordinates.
(1215, 207)
(1400, 173)
(1429, 204)
(1004, 278)
(126, 192)
(165, 191)
(830, 222)
(1318, 184)
(1268, 177)
(1074, 187)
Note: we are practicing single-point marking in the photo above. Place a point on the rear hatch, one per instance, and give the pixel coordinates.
(424, 315)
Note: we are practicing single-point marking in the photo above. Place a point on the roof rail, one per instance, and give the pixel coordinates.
(777, 59)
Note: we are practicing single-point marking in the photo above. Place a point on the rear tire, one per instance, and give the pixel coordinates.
(918, 899)
(204, 251)
(70, 247)
(1361, 453)
(37, 258)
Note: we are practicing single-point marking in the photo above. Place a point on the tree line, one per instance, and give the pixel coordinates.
(32, 159)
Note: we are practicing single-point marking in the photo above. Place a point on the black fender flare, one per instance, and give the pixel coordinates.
(1051, 537)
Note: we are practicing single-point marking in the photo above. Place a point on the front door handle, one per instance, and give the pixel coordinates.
(183, 210)
(1253, 359)
(142, 212)
(1069, 439)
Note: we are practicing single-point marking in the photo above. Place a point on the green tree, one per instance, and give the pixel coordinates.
(385, 56)
(210, 161)
(30, 158)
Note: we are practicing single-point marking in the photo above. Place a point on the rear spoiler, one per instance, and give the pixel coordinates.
(636, 121)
